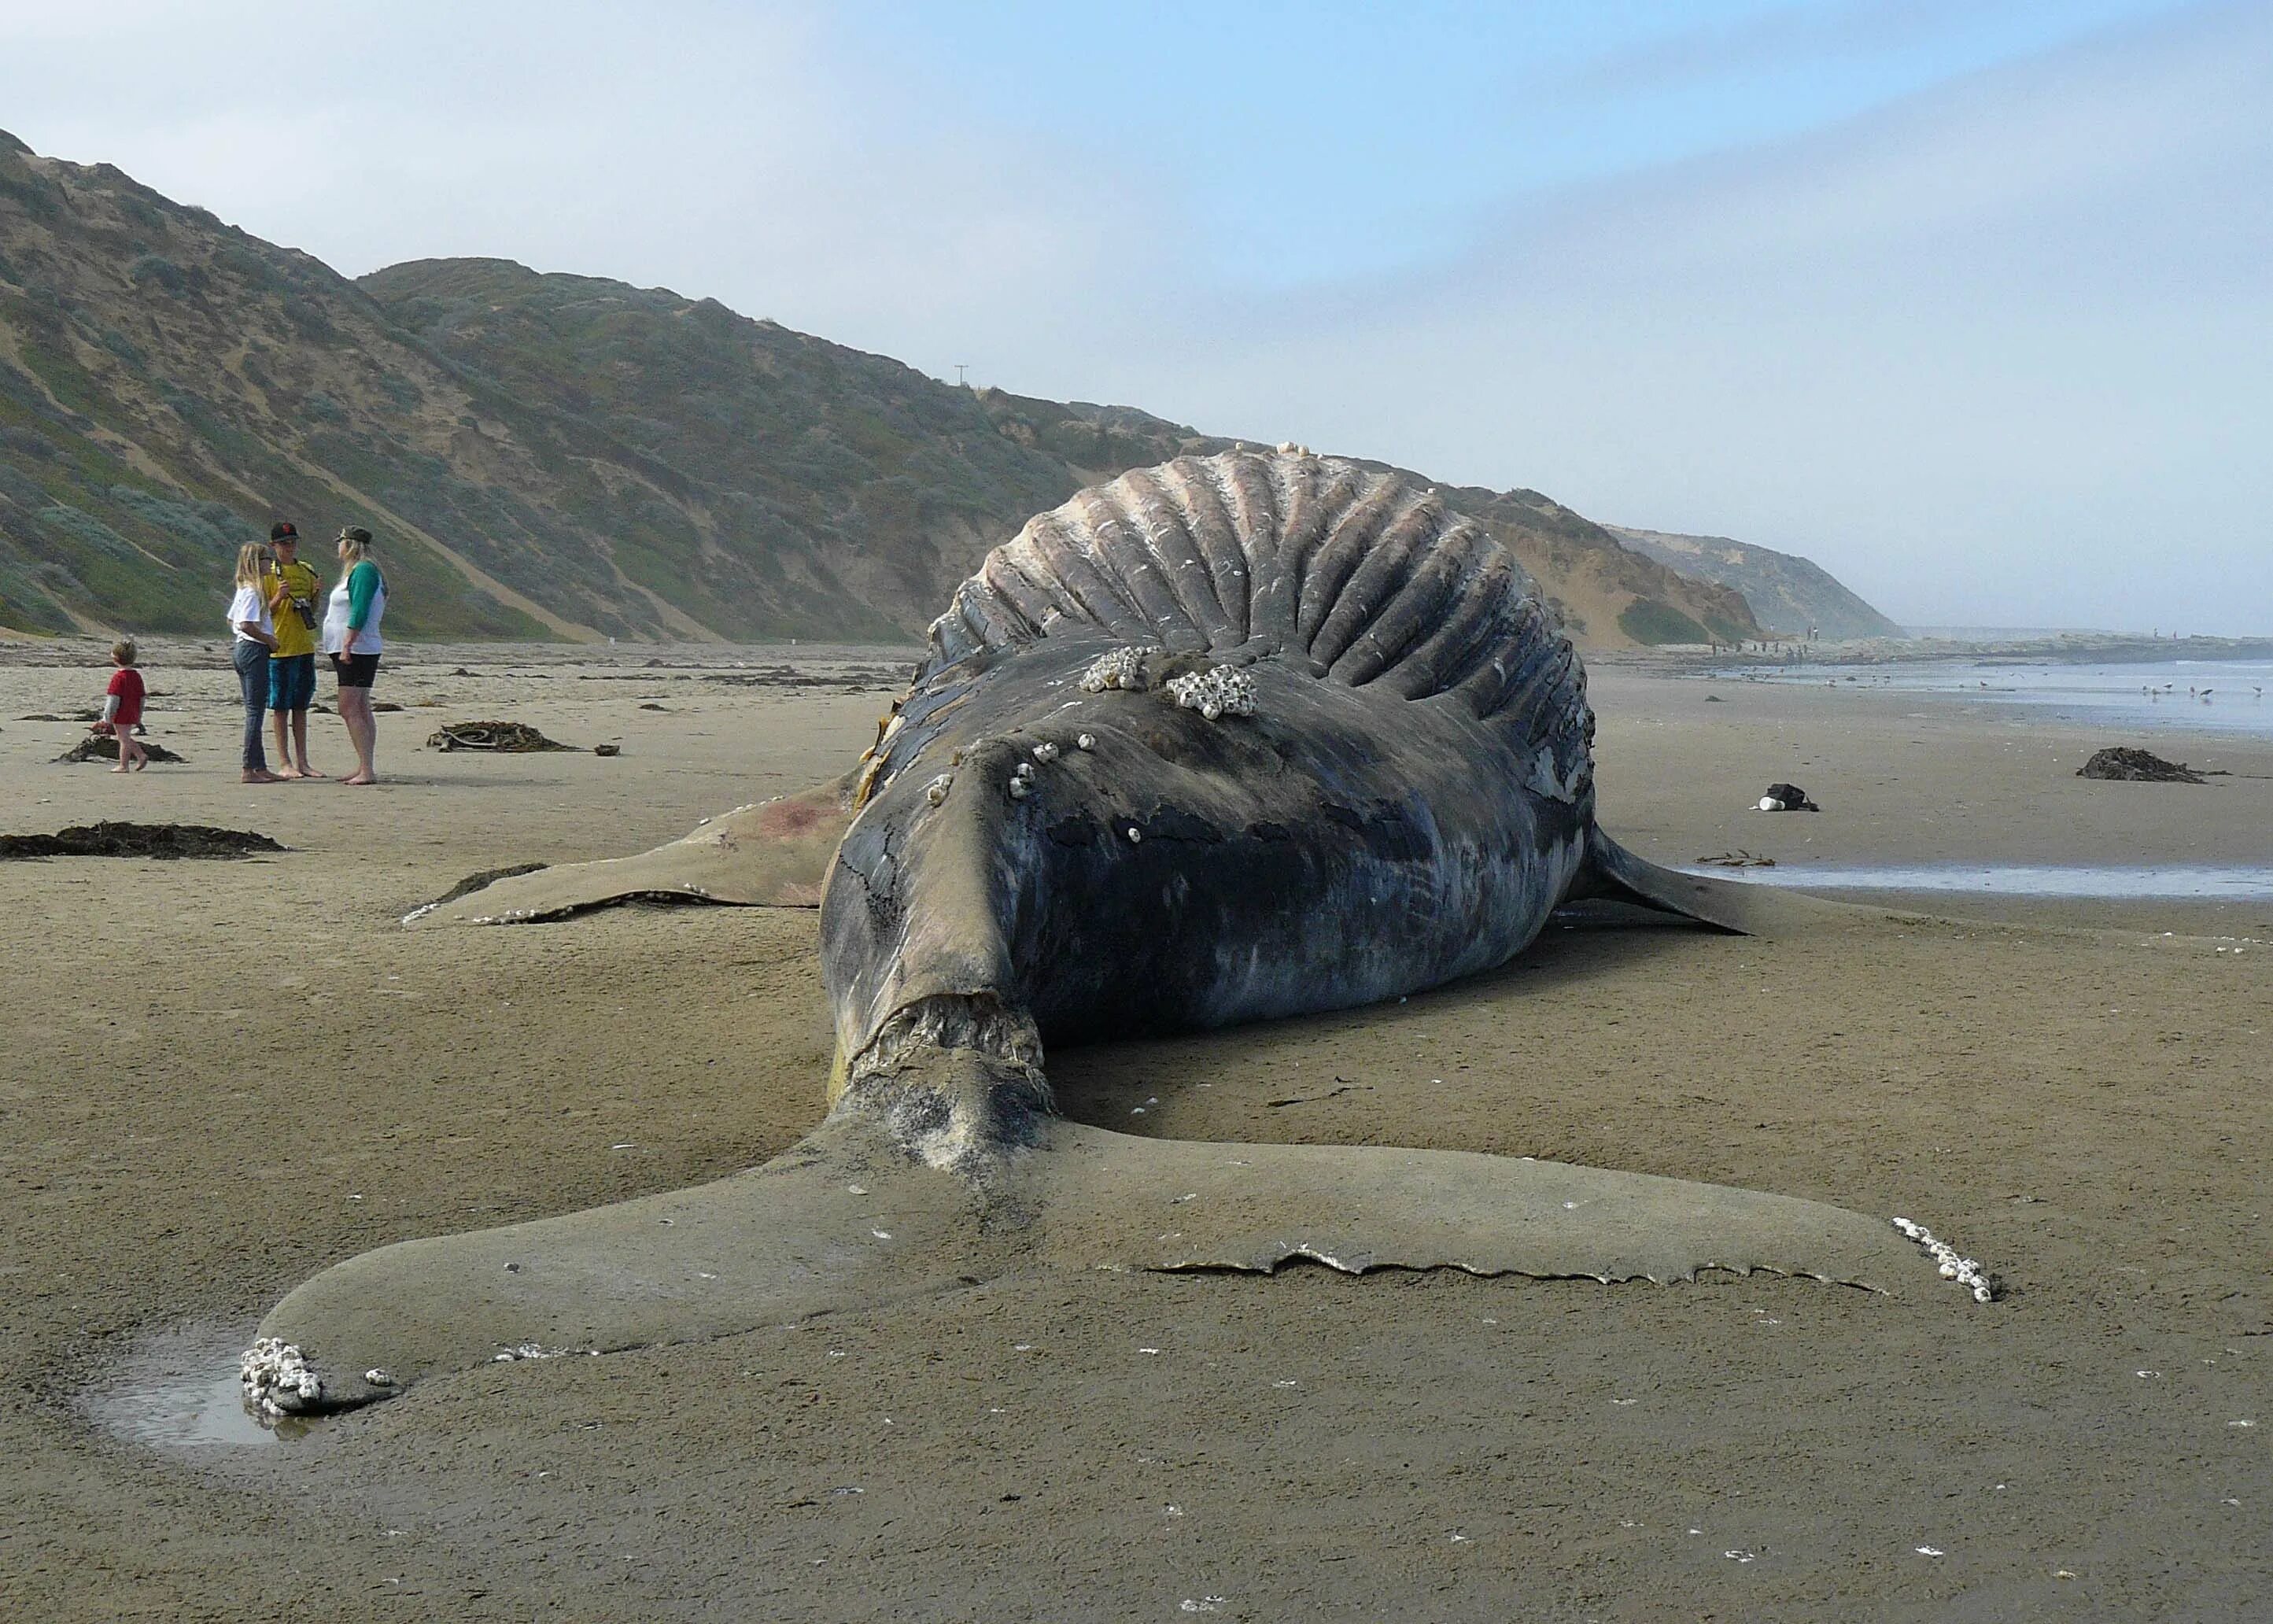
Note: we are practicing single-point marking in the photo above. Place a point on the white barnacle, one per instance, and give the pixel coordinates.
(1019, 789)
(1135, 834)
(1046, 752)
(935, 792)
(1120, 668)
(275, 1379)
(1221, 691)
(1949, 1263)
(1087, 741)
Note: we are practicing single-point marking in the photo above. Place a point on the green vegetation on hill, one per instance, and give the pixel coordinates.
(538, 454)
(1650, 622)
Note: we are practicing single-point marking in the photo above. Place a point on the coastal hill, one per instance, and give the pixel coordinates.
(545, 455)
(1790, 595)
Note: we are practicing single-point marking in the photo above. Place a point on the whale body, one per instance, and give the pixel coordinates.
(1231, 738)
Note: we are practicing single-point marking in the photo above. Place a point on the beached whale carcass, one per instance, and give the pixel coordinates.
(1233, 738)
(1236, 738)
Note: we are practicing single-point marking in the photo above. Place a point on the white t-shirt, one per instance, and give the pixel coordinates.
(250, 607)
(335, 614)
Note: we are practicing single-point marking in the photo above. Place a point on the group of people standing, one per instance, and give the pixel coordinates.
(278, 635)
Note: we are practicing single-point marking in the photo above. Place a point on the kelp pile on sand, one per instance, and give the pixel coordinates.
(2131, 766)
(103, 748)
(169, 840)
(506, 737)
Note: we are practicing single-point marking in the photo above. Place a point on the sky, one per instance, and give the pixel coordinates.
(1971, 303)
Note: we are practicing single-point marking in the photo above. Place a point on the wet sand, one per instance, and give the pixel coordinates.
(224, 1076)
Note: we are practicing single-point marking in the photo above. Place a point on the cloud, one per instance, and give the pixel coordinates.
(1997, 351)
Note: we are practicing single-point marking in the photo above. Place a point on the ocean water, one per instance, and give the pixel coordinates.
(2201, 696)
(2190, 881)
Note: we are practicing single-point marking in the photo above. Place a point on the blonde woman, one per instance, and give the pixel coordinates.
(351, 619)
(255, 633)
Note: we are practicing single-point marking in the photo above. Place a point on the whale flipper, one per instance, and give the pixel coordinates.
(1613, 874)
(773, 854)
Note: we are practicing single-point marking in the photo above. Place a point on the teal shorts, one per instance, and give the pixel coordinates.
(291, 682)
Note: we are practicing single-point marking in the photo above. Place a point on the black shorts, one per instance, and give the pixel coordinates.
(356, 669)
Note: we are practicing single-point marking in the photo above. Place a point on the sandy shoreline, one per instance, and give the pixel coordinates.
(224, 1076)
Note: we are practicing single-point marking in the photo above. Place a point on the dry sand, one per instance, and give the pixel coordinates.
(221, 1077)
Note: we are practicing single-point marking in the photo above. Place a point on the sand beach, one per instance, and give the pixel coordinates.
(222, 1077)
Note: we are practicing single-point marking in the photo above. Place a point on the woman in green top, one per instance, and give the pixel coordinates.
(351, 637)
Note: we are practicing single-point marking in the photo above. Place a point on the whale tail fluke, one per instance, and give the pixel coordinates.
(776, 853)
(1613, 874)
(1111, 1200)
(848, 1220)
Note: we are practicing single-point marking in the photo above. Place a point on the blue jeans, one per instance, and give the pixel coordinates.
(252, 676)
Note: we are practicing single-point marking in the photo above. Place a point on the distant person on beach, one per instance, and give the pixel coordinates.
(122, 707)
(292, 590)
(255, 629)
(351, 619)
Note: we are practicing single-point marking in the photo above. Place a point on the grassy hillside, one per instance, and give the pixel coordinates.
(539, 454)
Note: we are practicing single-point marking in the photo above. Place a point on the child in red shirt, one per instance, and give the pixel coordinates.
(122, 708)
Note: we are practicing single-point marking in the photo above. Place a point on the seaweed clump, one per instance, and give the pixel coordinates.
(102, 747)
(2137, 767)
(166, 840)
(506, 737)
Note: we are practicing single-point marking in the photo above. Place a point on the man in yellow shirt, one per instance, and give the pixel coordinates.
(293, 589)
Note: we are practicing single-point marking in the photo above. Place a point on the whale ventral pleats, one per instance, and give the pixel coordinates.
(1361, 574)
